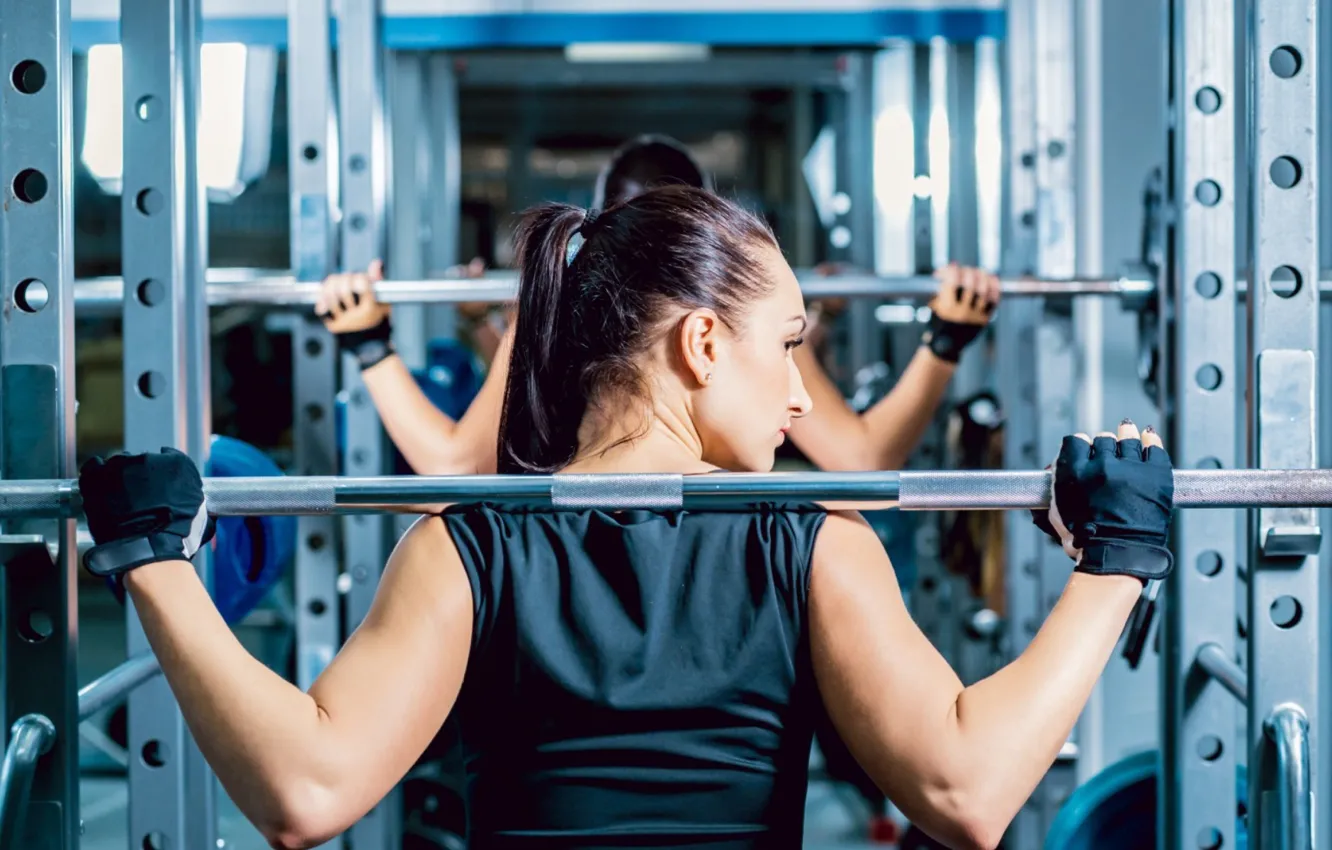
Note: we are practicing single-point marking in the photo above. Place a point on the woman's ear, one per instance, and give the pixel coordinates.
(699, 339)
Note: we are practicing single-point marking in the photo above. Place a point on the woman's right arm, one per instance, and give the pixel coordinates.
(958, 761)
(302, 767)
(430, 441)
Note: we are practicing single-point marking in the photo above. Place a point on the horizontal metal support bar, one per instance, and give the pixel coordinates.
(112, 687)
(915, 490)
(1221, 667)
(238, 287)
(30, 738)
(756, 70)
(1288, 726)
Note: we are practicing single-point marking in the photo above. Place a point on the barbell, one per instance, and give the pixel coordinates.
(910, 490)
(235, 287)
(252, 287)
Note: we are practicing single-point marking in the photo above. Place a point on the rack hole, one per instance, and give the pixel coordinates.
(1208, 377)
(1285, 61)
(36, 627)
(310, 152)
(31, 295)
(356, 163)
(1208, 193)
(151, 292)
(1208, 100)
(28, 76)
(1209, 838)
(151, 384)
(1286, 612)
(154, 841)
(313, 347)
(314, 412)
(1208, 284)
(149, 202)
(148, 108)
(1209, 463)
(1209, 748)
(154, 753)
(1286, 281)
(1209, 563)
(1285, 172)
(30, 186)
(318, 607)
(315, 542)
(357, 222)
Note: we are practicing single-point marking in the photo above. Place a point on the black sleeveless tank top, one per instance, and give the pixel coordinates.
(637, 678)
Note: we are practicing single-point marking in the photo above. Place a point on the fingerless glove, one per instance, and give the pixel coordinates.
(948, 339)
(1111, 507)
(141, 509)
(370, 346)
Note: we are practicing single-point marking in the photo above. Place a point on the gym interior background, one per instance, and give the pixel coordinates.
(885, 138)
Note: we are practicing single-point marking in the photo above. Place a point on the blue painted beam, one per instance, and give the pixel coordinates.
(720, 29)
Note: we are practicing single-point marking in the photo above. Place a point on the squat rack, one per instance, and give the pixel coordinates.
(37, 414)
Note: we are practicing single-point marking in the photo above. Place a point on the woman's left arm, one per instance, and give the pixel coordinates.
(302, 766)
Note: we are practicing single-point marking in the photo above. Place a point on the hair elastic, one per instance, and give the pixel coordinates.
(580, 236)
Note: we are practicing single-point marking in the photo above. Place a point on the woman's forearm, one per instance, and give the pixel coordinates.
(1012, 725)
(895, 425)
(420, 430)
(835, 437)
(263, 736)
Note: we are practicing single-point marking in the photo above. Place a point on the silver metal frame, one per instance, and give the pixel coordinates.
(314, 351)
(1199, 715)
(1036, 346)
(38, 588)
(365, 156)
(166, 374)
(1285, 582)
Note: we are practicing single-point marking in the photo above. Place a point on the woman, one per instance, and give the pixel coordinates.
(635, 676)
(833, 437)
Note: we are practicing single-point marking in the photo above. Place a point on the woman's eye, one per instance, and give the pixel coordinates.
(795, 343)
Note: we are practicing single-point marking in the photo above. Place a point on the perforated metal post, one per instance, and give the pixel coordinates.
(1285, 583)
(38, 602)
(444, 199)
(1037, 354)
(314, 352)
(1198, 719)
(364, 166)
(171, 788)
(1016, 326)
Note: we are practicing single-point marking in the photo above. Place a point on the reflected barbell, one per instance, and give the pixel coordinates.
(912, 490)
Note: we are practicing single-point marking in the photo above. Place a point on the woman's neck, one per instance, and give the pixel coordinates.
(658, 447)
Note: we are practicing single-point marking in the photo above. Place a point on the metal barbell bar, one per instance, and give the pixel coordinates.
(236, 287)
(913, 490)
(248, 287)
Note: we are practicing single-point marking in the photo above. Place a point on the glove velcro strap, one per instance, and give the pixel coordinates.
(1140, 560)
(947, 340)
(121, 556)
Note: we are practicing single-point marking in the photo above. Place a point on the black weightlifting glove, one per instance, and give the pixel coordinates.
(370, 346)
(141, 509)
(1111, 507)
(947, 339)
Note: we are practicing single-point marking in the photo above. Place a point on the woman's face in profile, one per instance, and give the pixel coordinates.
(757, 390)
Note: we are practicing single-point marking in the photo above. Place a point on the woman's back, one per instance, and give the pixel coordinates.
(637, 677)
